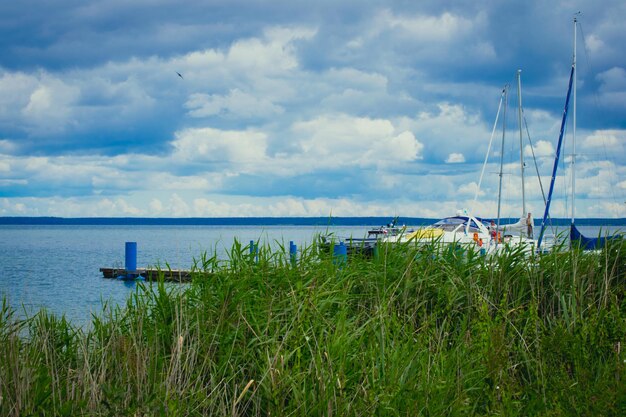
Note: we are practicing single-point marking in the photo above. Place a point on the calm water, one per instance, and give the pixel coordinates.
(57, 267)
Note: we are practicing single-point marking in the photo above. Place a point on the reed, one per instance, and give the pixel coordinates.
(412, 331)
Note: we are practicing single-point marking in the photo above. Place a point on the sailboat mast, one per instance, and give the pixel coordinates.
(521, 142)
(506, 94)
(573, 159)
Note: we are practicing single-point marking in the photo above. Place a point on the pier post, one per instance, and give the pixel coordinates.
(130, 263)
(293, 253)
(340, 253)
(254, 251)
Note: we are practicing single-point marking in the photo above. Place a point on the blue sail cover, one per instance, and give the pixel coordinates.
(588, 243)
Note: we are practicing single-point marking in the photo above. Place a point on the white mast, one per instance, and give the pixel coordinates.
(573, 163)
(521, 142)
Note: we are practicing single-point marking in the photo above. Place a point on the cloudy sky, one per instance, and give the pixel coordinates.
(304, 108)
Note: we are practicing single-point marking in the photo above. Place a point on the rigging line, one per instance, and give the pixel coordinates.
(587, 61)
(566, 178)
(596, 103)
(534, 157)
(502, 153)
(493, 131)
(507, 175)
(543, 194)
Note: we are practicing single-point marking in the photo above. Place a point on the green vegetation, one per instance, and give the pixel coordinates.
(409, 332)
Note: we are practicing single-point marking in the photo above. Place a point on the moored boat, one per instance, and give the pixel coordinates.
(576, 237)
(466, 230)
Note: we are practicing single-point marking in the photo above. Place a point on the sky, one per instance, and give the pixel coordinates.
(300, 108)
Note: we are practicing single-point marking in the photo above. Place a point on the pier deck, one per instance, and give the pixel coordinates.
(150, 274)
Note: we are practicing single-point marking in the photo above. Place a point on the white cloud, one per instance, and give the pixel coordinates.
(219, 205)
(273, 54)
(201, 183)
(7, 146)
(355, 79)
(50, 105)
(605, 140)
(613, 79)
(596, 178)
(541, 148)
(594, 43)
(16, 89)
(430, 34)
(455, 158)
(115, 207)
(483, 50)
(613, 87)
(450, 128)
(212, 145)
(210, 208)
(44, 104)
(470, 189)
(38, 102)
(256, 72)
(156, 206)
(14, 207)
(342, 140)
(427, 28)
(12, 182)
(236, 104)
(179, 207)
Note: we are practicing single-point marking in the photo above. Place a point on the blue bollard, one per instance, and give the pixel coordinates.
(340, 253)
(130, 263)
(293, 252)
(254, 251)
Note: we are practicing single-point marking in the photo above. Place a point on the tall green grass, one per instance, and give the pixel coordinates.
(412, 331)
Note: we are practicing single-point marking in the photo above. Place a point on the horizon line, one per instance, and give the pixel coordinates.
(267, 220)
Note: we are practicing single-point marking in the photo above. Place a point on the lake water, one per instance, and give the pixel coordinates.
(57, 267)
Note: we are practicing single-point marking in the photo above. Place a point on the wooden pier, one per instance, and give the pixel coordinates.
(150, 274)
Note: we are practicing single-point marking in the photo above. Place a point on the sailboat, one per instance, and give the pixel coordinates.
(473, 232)
(576, 237)
(516, 234)
(462, 229)
(525, 235)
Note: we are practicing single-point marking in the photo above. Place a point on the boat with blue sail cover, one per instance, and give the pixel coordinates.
(577, 239)
(589, 243)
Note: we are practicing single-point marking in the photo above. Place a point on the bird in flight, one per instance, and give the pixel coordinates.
(179, 74)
